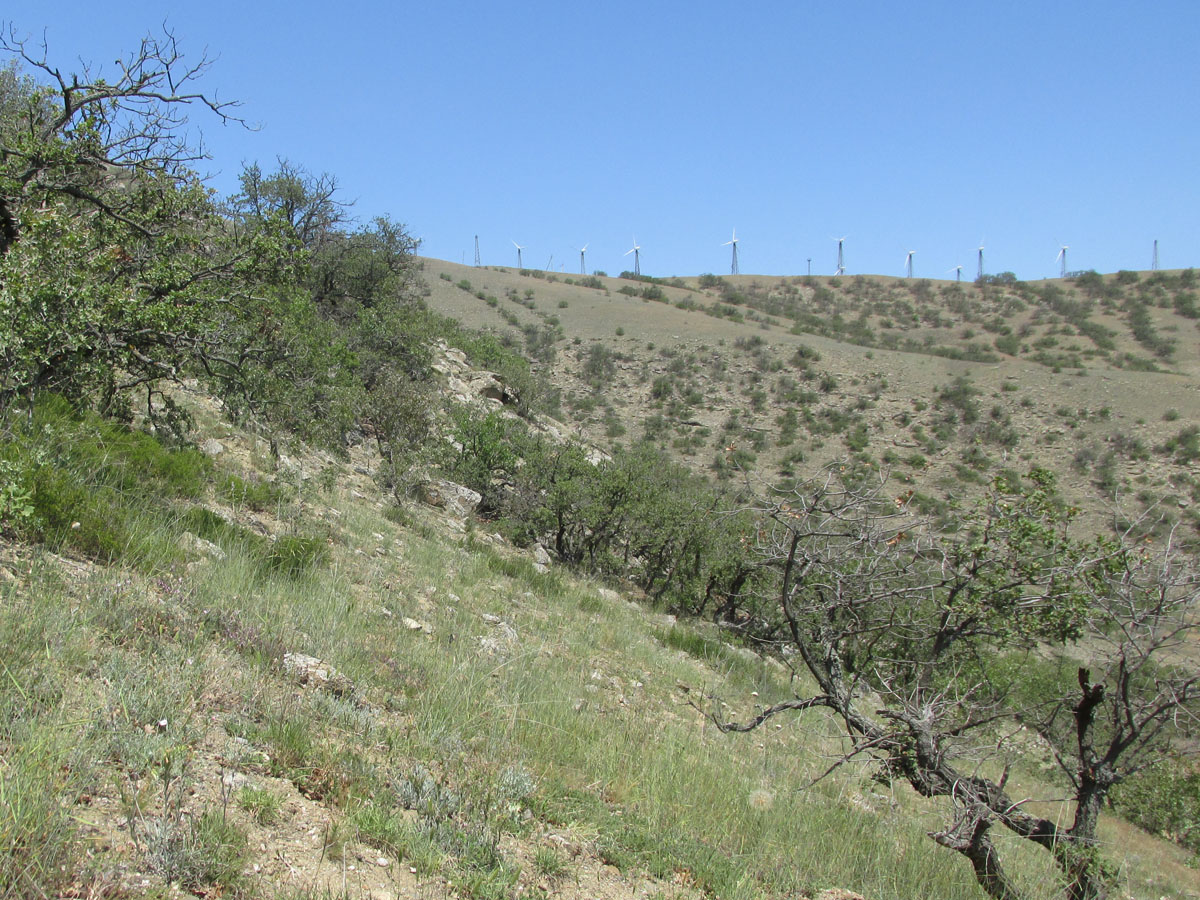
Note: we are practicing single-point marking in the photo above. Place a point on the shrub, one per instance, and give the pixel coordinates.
(293, 555)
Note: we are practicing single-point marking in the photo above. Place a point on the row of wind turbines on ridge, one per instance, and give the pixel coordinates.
(636, 250)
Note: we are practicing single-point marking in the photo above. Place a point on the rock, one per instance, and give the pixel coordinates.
(310, 670)
(456, 499)
(838, 894)
(490, 619)
(501, 639)
(540, 556)
(195, 544)
(608, 594)
(414, 625)
(292, 468)
(212, 447)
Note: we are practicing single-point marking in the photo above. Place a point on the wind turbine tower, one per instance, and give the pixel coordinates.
(1062, 255)
(957, 270)
(908, 264)
(979, 273)
(636, 250)
(519, 249)
(477, 251)
(841, 268)
(1154, 261)
(733, 269)
(582, 267)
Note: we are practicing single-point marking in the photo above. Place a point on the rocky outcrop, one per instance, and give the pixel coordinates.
(455, 499)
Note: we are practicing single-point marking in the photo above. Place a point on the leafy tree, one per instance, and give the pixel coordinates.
(928, 649)
(116, 270)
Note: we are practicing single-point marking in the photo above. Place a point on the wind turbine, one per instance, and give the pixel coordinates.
(1154, 259)
(733, 269)
(636, 250)
(957, 270)
(1062, 254)
(908, 263)
(519, 249)
(582, 267)
(841, 268)
(979, 274)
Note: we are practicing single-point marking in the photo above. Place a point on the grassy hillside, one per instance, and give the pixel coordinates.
(286, 684)
(945, 384)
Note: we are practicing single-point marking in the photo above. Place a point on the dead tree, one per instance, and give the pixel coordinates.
(914, 639)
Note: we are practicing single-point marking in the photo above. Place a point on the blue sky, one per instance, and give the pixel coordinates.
(925, 126)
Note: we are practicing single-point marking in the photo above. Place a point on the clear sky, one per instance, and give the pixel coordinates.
(924, 126)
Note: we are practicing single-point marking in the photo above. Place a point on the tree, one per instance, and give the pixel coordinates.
(116, 270)
(928, 647)
(97, 142)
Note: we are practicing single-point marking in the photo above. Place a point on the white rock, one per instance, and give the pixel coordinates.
(199, 545)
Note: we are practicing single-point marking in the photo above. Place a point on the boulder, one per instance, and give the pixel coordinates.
(453, 498)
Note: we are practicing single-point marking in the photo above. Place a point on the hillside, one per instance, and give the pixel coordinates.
(408, 706)
(943, 383)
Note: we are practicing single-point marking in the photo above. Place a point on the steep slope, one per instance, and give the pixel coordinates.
(306, 689)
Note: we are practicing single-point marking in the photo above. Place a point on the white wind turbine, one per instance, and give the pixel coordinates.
(582, 267)
(733, 269)
(908, 263)
(841, 266)
(979, 273)
(957, 270)
(636, 250)
(1062, 255)
(519, 249)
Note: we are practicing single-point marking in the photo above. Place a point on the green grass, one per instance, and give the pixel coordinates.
(442, 755)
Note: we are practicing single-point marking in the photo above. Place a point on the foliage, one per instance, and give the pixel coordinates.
(91, 483)
(1164, 799)
(115, 269)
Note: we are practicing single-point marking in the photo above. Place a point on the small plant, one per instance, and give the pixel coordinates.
(263, 805)
(296, 554)
(549, 863)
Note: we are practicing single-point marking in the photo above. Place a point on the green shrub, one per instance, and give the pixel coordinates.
(255, 493)
(95, 485)
(296, 554)
(1165, 800)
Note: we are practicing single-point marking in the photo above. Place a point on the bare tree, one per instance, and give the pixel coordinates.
(941, 655)
(105, 132)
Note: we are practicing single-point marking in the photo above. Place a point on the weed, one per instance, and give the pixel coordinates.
(549, 863)
(262, 804)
